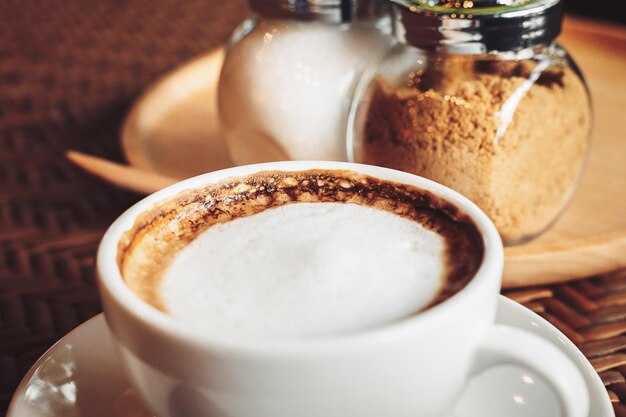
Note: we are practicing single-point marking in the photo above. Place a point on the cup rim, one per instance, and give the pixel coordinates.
(110, 279)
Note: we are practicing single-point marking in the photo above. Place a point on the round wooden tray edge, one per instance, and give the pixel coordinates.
(128, 132)
(565, 261)
(594, 27)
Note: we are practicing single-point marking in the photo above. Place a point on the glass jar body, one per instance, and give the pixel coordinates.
(508, 130)
(286, 86)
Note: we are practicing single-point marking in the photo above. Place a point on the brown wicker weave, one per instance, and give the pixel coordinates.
(68, 71)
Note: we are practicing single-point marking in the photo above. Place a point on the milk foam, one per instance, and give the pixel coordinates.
(305, 269)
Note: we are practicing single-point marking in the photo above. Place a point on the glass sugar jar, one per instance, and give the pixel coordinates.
(289, 76)
(477, 95)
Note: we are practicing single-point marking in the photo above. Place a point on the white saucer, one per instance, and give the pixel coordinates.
(81, 376)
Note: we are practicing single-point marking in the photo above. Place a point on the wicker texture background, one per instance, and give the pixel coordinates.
(69, 70)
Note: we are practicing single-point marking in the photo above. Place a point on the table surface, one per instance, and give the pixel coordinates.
(68, 74)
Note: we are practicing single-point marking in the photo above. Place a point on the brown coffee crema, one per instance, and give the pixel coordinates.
(146, 250)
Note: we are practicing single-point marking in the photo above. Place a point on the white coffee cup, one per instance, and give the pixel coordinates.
(418, 366)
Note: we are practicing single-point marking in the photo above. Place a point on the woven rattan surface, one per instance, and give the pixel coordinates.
(69, 70)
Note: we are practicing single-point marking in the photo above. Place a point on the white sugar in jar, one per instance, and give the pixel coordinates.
(289, 77)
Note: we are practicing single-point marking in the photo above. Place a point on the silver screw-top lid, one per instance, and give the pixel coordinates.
(477, 26)
(332, 11)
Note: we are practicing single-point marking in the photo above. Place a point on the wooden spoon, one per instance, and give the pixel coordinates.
(123, 176)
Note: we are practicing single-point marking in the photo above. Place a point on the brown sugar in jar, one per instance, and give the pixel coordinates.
(509, 131)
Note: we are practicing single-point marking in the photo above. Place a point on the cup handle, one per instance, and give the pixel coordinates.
(505, 345)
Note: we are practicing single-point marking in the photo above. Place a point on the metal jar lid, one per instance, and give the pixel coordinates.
(332, 11)
(477, 26)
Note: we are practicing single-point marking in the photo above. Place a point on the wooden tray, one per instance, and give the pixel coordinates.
(172, 130)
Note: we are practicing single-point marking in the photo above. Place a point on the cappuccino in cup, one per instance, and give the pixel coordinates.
(310, 289)
(296, 254)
